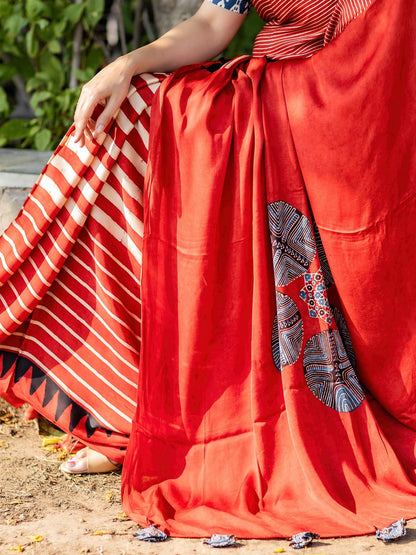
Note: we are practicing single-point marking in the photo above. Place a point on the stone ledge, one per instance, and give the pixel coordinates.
(19, 170)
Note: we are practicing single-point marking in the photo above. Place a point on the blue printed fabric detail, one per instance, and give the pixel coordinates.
(237, 6)
(315, 296)
(391, 533)
(329, 373)
(220, 540)
(287, 334)
(293, 243)
(151, 534)
(302, 540)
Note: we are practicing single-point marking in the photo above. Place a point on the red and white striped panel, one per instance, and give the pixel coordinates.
(70, 266)
(300, 28)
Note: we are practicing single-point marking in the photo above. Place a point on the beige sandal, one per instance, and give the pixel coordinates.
(88, 461)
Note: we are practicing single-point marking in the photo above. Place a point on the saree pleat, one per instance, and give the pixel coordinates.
(70, 274)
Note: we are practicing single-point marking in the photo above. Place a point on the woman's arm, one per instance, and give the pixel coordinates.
(198, 39)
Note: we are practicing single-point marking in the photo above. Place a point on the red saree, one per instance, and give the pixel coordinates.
(279, 206)
(274, 324)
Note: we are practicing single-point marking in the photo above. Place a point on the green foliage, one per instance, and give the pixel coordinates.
(243, 41)
(36, 51)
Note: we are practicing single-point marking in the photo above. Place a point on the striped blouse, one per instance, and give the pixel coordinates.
(297, 28)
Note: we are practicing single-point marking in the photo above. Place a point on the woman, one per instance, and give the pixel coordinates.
(278, 200)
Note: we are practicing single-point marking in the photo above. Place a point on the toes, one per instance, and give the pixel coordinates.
(82, 453)
(75, 465)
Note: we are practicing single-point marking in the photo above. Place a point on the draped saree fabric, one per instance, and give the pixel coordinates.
(261, 276)
(276, 238)
(70, 272)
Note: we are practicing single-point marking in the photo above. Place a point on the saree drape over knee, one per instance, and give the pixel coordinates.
(264, 273)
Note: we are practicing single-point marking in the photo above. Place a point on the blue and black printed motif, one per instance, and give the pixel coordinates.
(393, 532)
(21, 367)
(293, 243)
(151, 534)
(329, 373)
(287, 334)
(237, 6)
(345, 336)
(315, 296)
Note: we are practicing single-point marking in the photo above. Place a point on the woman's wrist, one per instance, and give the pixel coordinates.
(127, 65)
(135, 62)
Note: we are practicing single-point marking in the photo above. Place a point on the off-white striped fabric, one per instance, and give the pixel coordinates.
(70, 267)
(300, 28)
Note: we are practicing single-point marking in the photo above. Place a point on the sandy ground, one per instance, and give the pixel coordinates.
(83, 514)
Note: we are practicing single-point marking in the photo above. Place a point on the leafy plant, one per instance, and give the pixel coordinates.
(37, 45)
(243, 41)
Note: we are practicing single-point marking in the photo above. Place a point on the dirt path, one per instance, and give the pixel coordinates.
(83, 514)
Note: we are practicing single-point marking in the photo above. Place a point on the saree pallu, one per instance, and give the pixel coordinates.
(276, 386)
(70, 282)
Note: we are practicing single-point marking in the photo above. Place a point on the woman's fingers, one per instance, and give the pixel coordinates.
(84, 125)
(112, 106)
(109, 86)
(83, 112)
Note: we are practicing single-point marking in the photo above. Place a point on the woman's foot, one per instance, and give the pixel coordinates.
(70, 445)
(88, 461)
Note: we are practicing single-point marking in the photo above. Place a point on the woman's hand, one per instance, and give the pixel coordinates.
(198, 39)
(109, 86)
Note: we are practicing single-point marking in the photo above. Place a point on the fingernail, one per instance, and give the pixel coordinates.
(99, 129)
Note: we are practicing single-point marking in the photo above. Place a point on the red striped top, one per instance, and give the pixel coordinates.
(299, 28)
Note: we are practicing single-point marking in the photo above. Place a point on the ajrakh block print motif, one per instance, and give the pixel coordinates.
(293, 244)
(287, 335)
(315, 296)
(328, 357)
(329, 373)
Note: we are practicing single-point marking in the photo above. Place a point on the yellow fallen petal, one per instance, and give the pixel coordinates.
(50, 440)
(122, 515)
(279, 550)
(3, 444)
(6, 417)
(109, 496)
(37, 538)
(18, 548)
(103, 533)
